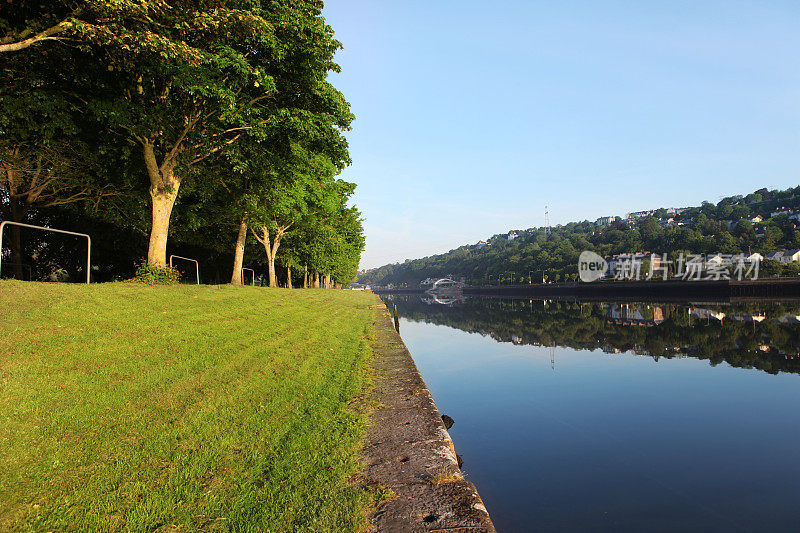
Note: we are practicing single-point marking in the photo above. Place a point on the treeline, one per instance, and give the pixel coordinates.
(535, 255)
(586, 326)
(209, 129)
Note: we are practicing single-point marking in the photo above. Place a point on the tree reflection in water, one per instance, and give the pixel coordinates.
(765, 336)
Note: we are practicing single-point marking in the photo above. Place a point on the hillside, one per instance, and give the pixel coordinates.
(763, 221)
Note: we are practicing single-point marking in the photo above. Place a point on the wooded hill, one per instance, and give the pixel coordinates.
(763, 221)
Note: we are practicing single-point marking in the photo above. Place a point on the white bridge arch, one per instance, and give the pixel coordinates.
(445, 284)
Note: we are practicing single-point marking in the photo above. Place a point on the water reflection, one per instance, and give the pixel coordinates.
(607, 416)
(764, 336)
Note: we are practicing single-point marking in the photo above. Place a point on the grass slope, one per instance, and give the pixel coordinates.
(129, 407)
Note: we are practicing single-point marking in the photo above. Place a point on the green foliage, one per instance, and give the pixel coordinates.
(223, 110)
(154, 275)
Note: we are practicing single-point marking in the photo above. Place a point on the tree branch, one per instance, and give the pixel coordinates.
(214, 150)
(45, 35)
(176, 147)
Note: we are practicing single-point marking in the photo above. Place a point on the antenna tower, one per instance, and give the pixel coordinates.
(547, 220)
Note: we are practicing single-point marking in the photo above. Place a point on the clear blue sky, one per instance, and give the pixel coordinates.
(472, 116)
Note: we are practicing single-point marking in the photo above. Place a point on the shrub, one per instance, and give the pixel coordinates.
(155, 275)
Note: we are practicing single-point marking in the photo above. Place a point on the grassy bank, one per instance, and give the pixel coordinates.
(128, 407)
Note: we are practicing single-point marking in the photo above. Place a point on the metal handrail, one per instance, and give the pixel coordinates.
(196, 264)
(88, 251)
(253, 284)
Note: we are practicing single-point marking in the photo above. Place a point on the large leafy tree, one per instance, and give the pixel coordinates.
(288, 196)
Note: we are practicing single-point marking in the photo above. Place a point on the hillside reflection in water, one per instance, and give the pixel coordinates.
(618, 416)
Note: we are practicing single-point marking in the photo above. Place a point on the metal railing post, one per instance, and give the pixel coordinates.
(196, 264)
(88, 248)
(253, 282)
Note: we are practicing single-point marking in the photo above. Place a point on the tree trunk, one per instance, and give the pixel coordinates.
(327, 281)
(238, 256)
(316, 280)
(305, 276)
(162, 209)
(271, 248)
(288, 277)
(163, 192)
(273, 279)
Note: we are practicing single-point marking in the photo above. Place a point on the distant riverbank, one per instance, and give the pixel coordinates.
(771, 288)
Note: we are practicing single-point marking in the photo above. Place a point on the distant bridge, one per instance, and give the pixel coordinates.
(445, 283)
(445, 286)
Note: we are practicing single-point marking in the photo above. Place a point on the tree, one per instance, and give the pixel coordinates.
(651, 231)
(274, 215)
(50, 153)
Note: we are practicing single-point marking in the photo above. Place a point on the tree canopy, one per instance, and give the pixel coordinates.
(207, 115)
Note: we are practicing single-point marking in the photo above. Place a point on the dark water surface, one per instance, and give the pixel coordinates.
(619, 417)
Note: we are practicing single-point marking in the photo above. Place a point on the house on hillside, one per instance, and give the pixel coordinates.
(776, 255)
(482, 244)
(639, 214)
(605, 221)
(513, 235)
(785, 256)
(756, 219)
(791, 256)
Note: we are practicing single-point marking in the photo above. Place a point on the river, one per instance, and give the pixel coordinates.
(575, 416)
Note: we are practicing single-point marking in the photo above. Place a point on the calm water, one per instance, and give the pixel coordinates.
(612, 417)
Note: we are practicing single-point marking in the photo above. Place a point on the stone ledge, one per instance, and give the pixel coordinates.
(409, 451)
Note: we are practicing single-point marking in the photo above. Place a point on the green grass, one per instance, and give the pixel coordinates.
(182, 408)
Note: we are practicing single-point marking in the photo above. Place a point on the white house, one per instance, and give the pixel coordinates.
(639, 214)
(605, 221)
(785, 256)
(791, 256)
(513, 235)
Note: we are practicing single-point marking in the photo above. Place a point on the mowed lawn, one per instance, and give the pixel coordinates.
(183, 408)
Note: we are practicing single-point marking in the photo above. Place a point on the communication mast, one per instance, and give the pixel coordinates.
(547, 220)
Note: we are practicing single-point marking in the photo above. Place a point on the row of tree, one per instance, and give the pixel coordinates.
(211, 123)
(539, 254)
